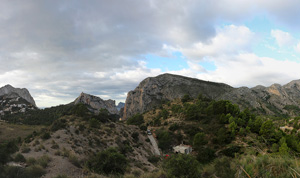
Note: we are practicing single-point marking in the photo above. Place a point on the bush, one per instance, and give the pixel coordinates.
(94, 123)
(181, 165)
(185, 98)
(46, 136)
(35, 171)
(135, 136)
(230, 152)
(108, 162)
(20, 158)
(44, 160)
(164, 140)
(174, 127)
(137, 119)
(58, 124)
(74, 160)
(153, 159)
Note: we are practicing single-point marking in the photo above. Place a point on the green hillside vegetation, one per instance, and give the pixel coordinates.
(227, 142)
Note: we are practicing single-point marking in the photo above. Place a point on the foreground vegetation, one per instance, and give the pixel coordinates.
(226, 141)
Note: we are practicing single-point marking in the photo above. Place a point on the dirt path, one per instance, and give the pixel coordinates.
(154, 144)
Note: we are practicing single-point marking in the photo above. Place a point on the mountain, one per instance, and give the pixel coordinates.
(120, 106)
(153, 91)
(96, 103)
(274, 100)
(21, 92)
(15, 100)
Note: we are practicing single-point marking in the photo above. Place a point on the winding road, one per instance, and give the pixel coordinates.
(154, 144)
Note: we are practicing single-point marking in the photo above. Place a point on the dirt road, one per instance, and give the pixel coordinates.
(154, 144)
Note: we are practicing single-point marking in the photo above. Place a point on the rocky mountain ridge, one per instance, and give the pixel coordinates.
(96, 103)
(272, 100)
(153, 91)
(15, 100)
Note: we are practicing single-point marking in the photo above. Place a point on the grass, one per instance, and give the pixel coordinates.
(14, 131)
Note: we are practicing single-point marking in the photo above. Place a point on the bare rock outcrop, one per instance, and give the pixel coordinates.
(153, 91)
(96, 103)
(273, 100)
(21, 92)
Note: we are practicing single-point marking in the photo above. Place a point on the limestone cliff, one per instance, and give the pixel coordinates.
(15, 100)
(23, 93)
(272, 100)
(153, 90)
(96, 103)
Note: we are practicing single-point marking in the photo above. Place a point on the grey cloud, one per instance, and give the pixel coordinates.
(56, 46)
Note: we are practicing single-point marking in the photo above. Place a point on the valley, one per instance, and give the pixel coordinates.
(229, 134)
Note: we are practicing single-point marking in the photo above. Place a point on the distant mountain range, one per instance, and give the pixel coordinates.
(274, 100)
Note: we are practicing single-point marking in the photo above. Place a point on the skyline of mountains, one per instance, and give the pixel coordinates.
(275, 99)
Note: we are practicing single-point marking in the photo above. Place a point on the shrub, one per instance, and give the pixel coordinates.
(35, 171)
(94, 123)
(164, 140)
(46, 136)
(137, 119)
(153, 159)
(181, 165)
(20, 158)
(135, 136)
(44, 160)
(185, 98)
(108, 162)
(74, 160)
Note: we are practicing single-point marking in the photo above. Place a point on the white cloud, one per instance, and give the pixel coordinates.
(58, 49)
(228, 40)
(283, 39)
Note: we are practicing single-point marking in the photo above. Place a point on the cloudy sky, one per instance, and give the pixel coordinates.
(59, 48)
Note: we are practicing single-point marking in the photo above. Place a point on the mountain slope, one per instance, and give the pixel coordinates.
(95, 103)
(153, 90)
(273, 100)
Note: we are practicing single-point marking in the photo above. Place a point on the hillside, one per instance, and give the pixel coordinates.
(153, 91)
(274, 100)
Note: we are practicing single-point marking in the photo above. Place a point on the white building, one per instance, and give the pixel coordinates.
(184, 149)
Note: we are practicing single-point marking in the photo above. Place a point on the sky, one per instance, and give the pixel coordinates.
(60, 48)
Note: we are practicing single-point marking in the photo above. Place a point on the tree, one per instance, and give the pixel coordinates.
(185, 98)
(182, 166)
(200, 140)
(283, 149)
(267, 130)
(164, 140)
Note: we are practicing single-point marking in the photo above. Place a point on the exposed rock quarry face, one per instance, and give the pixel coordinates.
(262, 100)
(23, 93)
(97, 103)
(153, 90)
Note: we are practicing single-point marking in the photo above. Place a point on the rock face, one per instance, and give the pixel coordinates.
(95, 103)
(153, 90)
(14, 100)
(272, 100)
(23, 93)
(120, 106)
